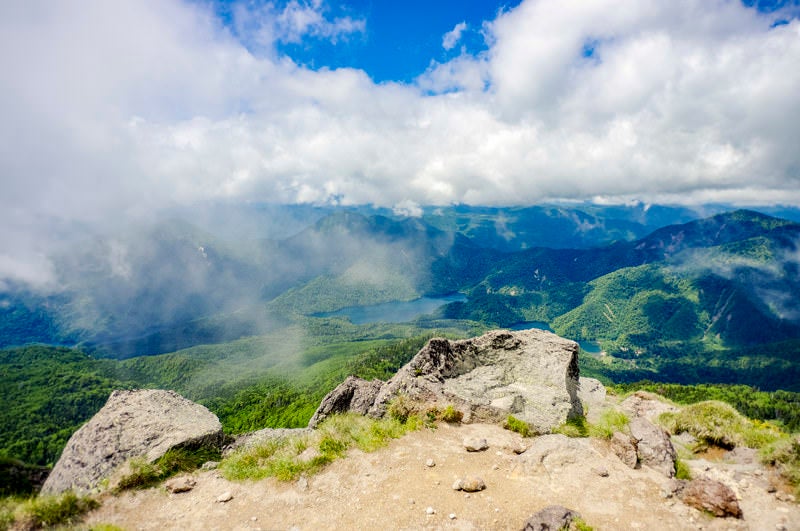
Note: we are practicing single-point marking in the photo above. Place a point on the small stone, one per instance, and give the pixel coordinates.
(210, 465)
(601, 471)
(771, 488)
(254, 518)
(452, 516)
(430, 510)
(411, 501)
(467, 496)
(437, 482)
(495, 467)
(302, 483)
(181, 484)
(457, 484)
(224, 497)
(475, 445)
(473, 484)
(430, 463)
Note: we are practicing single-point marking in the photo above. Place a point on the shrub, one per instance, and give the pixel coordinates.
(451, 414)
(719, 424)
(400, 408)
(520, 426)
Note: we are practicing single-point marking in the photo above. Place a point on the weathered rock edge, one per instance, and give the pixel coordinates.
(142, 423)
(531, 374)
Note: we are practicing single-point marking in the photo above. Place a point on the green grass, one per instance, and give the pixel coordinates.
(44, 511)
(288, 458)
(784, 454)
(574, 427)
(682, 470)
(514, 424)
(143, 474)
(451, 414)
(611, 421)
(719, 424)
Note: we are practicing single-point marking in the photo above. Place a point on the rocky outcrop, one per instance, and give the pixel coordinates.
(354, 394)
(552, 518)
(144, 423)
(711, 496)
(531, 374)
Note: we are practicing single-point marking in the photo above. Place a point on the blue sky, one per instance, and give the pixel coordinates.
(400, 39)
(116, 110)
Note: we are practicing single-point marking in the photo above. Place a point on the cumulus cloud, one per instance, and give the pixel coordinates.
(112, 110)
(451, 38)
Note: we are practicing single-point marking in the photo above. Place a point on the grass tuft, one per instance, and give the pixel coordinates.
(45, 511)
(519, 426)
(574, 427)
(288, 458)
(784, 455)
(143, 474)
(719, 424)
(611, 421)
(682, 470)
(452, 415)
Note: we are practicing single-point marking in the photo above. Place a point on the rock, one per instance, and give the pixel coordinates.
(623, 447)
(247, 440)
(452, 516)
(711, 496)
(309, 454)
(354, 394)
(601, 471)
(647, 405)
(475, 445)
(532, 374)
(549, 452)
(180, 484)
(302, 483)
(144, 423)
(673, 488)
(457, 484)
(653, 446)
(470, 484)
(225, 497)
(209, 465)
(552, 518)
(430, 463)
(430, 511)
(591, 392)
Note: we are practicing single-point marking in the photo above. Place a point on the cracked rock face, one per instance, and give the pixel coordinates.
(531, 374)
(144, 423)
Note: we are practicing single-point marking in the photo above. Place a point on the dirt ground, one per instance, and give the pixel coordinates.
(393, 489)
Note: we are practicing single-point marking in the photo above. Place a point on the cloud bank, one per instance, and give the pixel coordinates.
(113, 109)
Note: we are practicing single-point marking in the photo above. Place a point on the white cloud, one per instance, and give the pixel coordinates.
(451, 38)
(111, 110)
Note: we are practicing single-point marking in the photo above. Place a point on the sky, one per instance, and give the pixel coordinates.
(113, 110)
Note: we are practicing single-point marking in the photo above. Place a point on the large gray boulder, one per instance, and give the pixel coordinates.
(143, 423)
(531, 374)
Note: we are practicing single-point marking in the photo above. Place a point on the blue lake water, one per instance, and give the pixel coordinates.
(393, 312)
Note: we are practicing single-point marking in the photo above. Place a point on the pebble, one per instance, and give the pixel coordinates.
(254, 518)
(225, 497)
(430, 463)
(452, 516)
(411, 501)
(495, 467)
(430, 510)
(602, 472)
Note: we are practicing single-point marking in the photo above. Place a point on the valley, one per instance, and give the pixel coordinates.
(259, 330)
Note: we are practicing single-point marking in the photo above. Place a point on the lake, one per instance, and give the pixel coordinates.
(395, 311)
